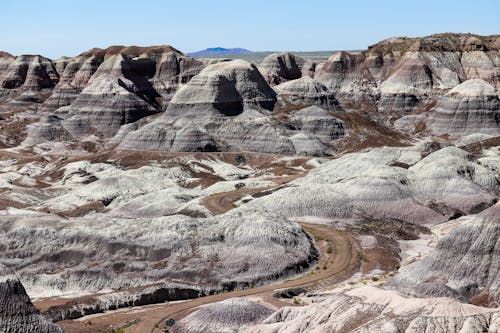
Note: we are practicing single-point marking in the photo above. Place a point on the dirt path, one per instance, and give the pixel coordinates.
(333, 268)
(339, 259)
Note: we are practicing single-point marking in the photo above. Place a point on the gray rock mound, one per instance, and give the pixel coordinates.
(282, 67)
(306, 91)
(90, 254)
(465, 265)
(229, 316)
(471, 107)
(369, 309)
(373, 184)
(103, 107)
(223, 89)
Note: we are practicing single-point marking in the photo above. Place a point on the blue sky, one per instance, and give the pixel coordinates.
(56, 27)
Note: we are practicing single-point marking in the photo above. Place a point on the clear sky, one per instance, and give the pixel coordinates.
(70, 27)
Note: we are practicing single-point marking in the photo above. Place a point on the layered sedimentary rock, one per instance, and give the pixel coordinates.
(30, 72)
(227, 108)
(173, 70)
(223, 89)
(391, 183)
(17, 313)
(74, 77)
(400, 75)
(465, 264)
(229, 316)
(50, 128)
(341, 73)
(369, 309)
(281, 67)
(471, 107)
(305, 91)
(91, 254)
(103, 107)
(26, 80)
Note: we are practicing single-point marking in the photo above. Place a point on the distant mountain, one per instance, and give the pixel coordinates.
(217, 51)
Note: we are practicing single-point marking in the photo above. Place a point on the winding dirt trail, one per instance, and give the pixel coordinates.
(339, 259)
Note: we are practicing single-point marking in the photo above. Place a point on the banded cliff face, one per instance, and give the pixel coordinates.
(399, 74)
(226, 105)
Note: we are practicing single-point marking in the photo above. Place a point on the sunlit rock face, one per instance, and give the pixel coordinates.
(464, 265)
(401, 75)
(305, 91)
(471, 107)
(27, 71)
(96, 253)
(228, 316)
(370, 309)
(224, 89)
(373, 185)
(281, 67)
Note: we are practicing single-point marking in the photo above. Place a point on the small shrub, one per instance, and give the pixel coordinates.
(375, 278)
(297, 301)
(329, 248)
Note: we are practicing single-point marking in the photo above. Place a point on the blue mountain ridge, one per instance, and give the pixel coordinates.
(219, 51)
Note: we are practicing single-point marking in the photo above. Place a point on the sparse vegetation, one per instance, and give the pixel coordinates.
(329, 248)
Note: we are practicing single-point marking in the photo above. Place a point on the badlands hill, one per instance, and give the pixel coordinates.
(132, 176)
(438, 85)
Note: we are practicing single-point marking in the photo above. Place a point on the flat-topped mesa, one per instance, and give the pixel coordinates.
(281, 67)
(445, 42)
(305, 91)
(17, 313)
(222, 89)
(471, 107)
(399, 75)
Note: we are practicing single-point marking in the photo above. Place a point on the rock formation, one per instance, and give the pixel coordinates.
(471, 107)
(305, 91)
(465, 264)
(281, 67)
(229, 316)
(223, 89)
(373, 185)
(17, 313)
(92, 254)
(369, 309)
